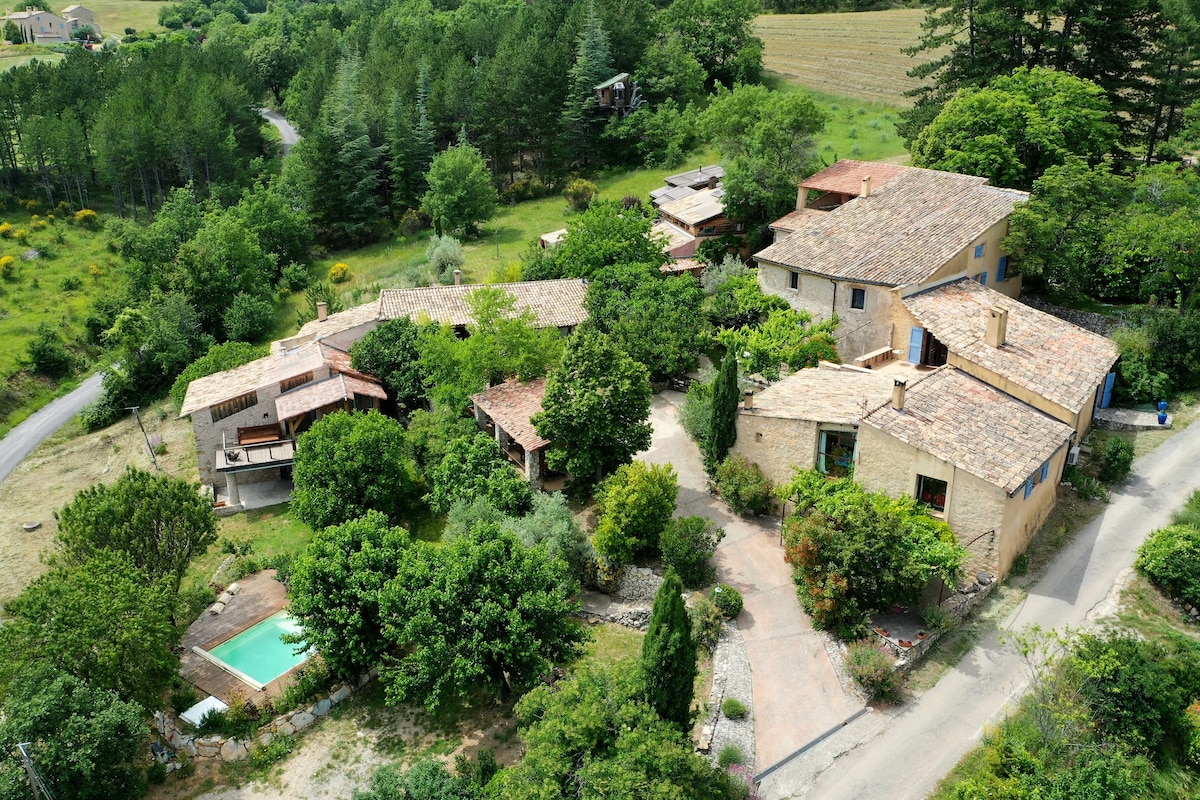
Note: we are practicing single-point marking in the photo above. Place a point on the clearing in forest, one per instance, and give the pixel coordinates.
(857, 55)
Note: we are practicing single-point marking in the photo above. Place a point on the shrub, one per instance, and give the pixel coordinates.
(733, 708)
(731, 754)
(445, 255)
(1170, 559)
(156, 773)
(707, 620)
(249, 318)
(1116, 461)
(6, 230)
(743, 487)
(633, 506)
(309, 681)
(524, 189)
(938, 618)
(687, 544)
(1089, 488)
(21, 235)
(1020, 564)
(183, 697)
(71, 283)
(580, 193)
(95, 271)
(8, 267)
(279, 748)
(339, 272)
(47, 353)
(412, 221)
(294, 277)
(727, 599)
(873, 670)
(1192, 715)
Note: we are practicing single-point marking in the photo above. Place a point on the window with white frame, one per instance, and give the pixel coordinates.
(835, 452)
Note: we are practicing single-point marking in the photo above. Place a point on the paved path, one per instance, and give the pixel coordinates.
(904, 753)
(287, 134)
(21, 440)
(797, 695)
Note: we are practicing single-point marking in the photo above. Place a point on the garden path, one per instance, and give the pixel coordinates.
(797, 692)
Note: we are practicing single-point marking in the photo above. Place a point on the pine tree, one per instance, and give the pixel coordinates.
(669, 655)
(581, 118)
(722, 426)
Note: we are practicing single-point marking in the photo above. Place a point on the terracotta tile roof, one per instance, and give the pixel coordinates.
(510, 405)
(795, 220)
(696, 207)
(846, 176)
(334, 323)
(312, 396)
(900, 234)
(1042, 353)
(221, 386)
(677, 265)
(827, 394)
(977, 428)
(557, 303)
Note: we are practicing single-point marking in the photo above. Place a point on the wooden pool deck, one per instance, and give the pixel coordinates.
(260, 597)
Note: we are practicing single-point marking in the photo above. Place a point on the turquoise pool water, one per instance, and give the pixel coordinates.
(259, 653)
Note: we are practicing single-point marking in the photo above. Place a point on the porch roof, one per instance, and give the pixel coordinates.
(511, 405)
(313, 396)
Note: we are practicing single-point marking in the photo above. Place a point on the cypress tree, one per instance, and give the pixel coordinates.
(722, 424)
(669, 655)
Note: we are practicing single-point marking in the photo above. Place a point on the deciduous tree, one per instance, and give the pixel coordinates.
(390, 353)
(350, 463)
(595, 409)
(476, 467)
(103, 621)
(161, 522)
(461, 194)
(335, 590)
(633, 506)
(482, 610)
(85, 742)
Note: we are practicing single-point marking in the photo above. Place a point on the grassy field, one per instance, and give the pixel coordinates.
(114, 16)
(19, 55)
(858, 55)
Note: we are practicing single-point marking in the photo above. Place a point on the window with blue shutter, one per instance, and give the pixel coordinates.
(1028, 488)
(1002, 269)
(979, 251)
(1045, 470)
(983, 279)
(916, 337)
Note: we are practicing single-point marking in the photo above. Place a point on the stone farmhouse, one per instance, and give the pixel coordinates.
(45, 27)
(505, 412)
(875, 232)
(246, 419)
(961, 396)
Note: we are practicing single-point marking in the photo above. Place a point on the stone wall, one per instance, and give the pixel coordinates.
(775, 444)
(200, 748)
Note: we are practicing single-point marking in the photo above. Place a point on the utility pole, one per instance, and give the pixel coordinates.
(40, 790)
(149, 449)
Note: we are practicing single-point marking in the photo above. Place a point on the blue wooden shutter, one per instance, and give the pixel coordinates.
(1045, 470)
(915, 338)
(1106, 398)
(1028, 488)
(979, 251)
(983, 279)
(1002, 269)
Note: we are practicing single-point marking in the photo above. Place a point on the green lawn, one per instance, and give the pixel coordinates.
(271, 531)
(857, 129)
(20, 55)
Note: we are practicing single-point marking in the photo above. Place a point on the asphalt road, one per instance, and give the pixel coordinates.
(902, 754)
(287, 133)
(21, 440)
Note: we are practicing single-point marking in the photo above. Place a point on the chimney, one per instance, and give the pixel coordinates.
(458, 277)
(748, 399)
(898, 388)
(801, 198)
(322, 311)
(866, 186)
(997, 327)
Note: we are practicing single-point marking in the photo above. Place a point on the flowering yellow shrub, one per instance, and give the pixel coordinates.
(21, 235)
(39, 224)
(86, 217)
(95, 271)
(8, 266)
(6, 230)
(339, 273)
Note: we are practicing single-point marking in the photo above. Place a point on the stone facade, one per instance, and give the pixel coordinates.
(777, 445)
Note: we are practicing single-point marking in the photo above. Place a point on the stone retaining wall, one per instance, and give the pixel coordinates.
(200, 748)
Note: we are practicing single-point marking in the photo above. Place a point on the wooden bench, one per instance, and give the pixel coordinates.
(259, 434)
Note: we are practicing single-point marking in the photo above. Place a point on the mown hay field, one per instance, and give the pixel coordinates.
(854, 55)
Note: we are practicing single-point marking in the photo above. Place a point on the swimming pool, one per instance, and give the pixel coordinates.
(258, 655)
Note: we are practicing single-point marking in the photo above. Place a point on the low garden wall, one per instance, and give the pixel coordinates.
(198, 748)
